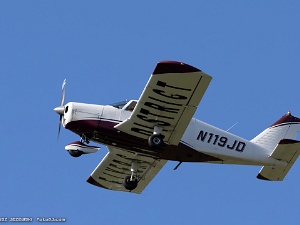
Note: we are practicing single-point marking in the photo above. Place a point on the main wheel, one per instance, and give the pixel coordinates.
(75, 153)
(130, 184)
(155, 141)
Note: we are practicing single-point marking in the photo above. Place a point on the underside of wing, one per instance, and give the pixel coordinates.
(117, 164)
(168, 102)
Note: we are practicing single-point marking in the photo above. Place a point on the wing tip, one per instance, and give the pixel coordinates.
(288, 141)
(174, 67)
(261, 177)
(92, 181)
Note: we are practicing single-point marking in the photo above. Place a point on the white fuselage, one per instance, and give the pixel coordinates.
(222, 144)
(199, 136)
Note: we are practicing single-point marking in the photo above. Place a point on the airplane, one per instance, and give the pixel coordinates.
(142, 135)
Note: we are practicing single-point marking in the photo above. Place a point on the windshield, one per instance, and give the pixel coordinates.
(119, 105)
(130, 105)
(126, 105)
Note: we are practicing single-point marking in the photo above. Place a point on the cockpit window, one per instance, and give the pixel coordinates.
(119, 105)
(130, 106)
(125, 105)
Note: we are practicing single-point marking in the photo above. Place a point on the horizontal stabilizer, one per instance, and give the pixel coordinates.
(288, 151)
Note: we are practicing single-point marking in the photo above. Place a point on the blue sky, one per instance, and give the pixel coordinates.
(107, 51)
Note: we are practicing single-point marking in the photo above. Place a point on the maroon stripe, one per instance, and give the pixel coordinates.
(79, 143)
(259, 176)
(104, 132)
(94, 182)
(287, 118)
(288, 141)
(173, 67)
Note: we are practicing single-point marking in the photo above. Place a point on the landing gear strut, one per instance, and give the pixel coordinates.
(131, 182)
(84, 139)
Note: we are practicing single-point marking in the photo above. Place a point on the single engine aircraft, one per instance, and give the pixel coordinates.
(142, 135)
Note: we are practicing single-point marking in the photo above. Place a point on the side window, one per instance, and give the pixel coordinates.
(131, 106)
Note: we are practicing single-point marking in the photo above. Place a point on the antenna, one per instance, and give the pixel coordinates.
(232, 126)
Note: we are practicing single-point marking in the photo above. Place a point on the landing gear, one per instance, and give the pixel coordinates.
(84, 139)
(156, 140)
(78, 148)
(76, 153)
(131, 182)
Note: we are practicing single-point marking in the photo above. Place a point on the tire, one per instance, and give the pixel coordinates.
(75, 153)
(128, 184)
(155, 141)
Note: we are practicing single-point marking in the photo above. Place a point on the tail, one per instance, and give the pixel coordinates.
(280, 139)
(287, 127)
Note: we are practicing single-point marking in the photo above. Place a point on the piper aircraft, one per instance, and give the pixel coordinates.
(142, 135)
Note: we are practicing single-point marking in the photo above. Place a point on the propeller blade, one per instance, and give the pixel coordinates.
(59, 126)
(63, 87)
(60, 109)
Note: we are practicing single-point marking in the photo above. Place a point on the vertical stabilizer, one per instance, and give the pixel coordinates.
(287, 127)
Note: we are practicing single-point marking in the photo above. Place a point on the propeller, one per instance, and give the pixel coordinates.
(60, 109)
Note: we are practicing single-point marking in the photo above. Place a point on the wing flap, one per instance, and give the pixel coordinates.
(169, 101)
(288, 151)
(116, 165)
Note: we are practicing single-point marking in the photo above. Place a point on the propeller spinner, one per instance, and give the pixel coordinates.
(60, 109)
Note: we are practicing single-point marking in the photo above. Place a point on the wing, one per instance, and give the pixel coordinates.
(116, 165)
(168, 101)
